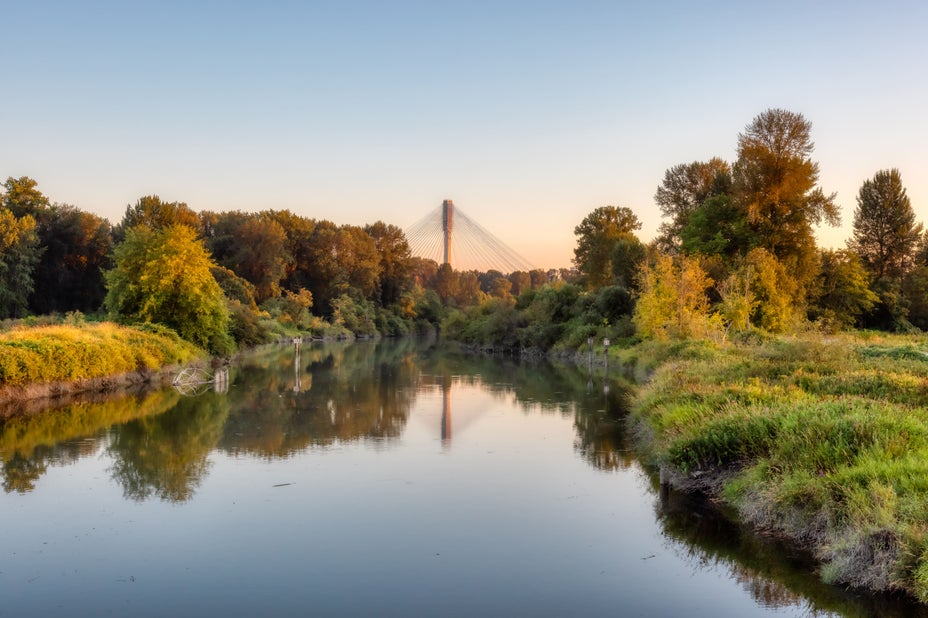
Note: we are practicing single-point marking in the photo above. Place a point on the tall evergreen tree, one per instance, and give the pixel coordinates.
(885, 232)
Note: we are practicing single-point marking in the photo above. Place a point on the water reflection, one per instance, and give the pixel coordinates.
(283, 401)
(774, 574)
(166, 455)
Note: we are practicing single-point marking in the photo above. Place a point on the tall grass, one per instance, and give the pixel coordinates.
(824, 441)
(66, 353)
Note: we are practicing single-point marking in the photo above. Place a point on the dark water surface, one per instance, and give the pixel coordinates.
(373, 479)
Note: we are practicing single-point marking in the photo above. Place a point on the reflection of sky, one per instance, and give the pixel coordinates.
(507, 519)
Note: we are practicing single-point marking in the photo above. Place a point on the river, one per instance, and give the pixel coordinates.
(391, 478)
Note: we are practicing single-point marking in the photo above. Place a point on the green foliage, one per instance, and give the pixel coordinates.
(885, 231)
(356, 315)
(153, 213)
(163, 276)
(820, 440)
(19, 254)
(718, 227)
(66, 353)
(596, 236)
(915, 289)
(246, 326)
(684, 190)
(841, 293)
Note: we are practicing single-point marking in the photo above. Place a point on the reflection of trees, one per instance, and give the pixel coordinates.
(29, 443)
(774, 575)
(166, 455)
(599, 413)
(349, 392)
(20, 473)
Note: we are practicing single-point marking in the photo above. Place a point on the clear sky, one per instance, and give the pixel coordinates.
(527, 114)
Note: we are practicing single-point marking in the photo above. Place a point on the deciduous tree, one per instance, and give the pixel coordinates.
(684, 189)
(163, 276)
(596, 236)
(775, 182)
(19, 254)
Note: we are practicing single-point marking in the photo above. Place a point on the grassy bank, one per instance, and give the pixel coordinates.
(822, 440)
(56, 354)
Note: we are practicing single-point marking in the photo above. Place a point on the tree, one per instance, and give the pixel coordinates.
(775, 183)
(628, 254)
(521, 282)
(260, 255)
(842, 293)
(885, 231)
(684, 189)
(395, 261)
(22, 197)
(672, 302)
(469, 292)
(718, 227)
(154, 213)
(447, 281)
(19, 254)
(774, 292)
(69, 275)
(597, 235)
(163, 276)
(358, 259)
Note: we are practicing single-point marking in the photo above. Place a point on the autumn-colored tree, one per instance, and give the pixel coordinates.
(22, 197)
(777, 302)
(596, 236)
(163, 276)
(260, 255)
(19, 255)
(776, 184)
(672, 301)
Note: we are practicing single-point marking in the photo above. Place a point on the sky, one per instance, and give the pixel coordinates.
(529, 115)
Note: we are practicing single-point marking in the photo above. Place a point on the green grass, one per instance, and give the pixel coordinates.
(824, 441)
(53, 353)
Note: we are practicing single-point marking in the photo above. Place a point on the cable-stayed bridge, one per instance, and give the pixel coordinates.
(449, 236)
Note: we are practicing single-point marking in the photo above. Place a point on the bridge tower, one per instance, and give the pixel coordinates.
(447, 221)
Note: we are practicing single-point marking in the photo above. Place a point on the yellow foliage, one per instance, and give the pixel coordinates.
(66, 353)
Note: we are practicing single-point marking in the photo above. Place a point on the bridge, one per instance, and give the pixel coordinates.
(449, 236)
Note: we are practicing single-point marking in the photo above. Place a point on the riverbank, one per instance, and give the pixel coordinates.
(823, 441)
(48, 361)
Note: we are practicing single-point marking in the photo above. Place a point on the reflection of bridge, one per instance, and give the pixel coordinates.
(448, 236)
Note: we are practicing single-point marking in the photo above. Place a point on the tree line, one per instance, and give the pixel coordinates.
(226, 279)
(736, 252)
(737, 249)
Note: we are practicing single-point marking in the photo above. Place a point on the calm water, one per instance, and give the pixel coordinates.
(388, 479)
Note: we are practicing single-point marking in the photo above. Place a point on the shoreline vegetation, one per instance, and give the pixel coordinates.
(822, 441)
(48, 361)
